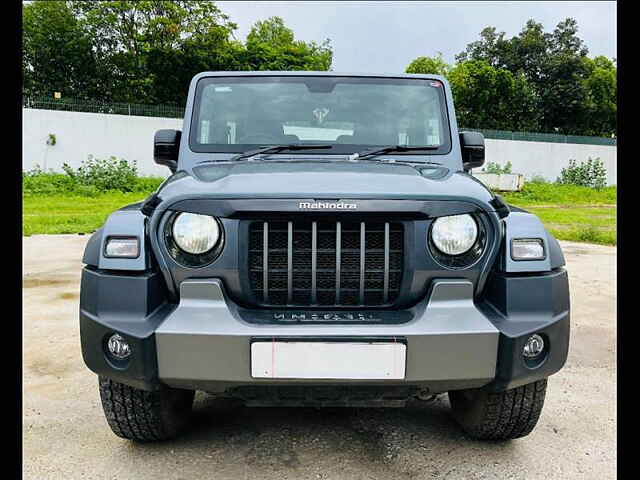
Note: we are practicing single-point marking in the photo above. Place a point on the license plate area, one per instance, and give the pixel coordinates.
(328, 360)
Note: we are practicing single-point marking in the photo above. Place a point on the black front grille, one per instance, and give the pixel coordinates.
(306, 263)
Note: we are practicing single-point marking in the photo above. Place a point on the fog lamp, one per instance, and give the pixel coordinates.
(533, 346)
(118, 347)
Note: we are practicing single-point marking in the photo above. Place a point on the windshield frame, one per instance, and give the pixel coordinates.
(339, 149)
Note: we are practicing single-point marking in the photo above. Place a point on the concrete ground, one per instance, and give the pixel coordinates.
(65, 434)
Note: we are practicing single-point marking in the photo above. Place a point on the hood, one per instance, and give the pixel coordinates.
(324, 180)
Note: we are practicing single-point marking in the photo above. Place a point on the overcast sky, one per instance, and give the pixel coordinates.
(383, 37)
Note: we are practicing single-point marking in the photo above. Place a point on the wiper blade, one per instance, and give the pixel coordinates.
(391, 149)
(278, 148)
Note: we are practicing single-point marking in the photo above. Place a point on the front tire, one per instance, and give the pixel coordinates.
(145, 416)
(499, 416)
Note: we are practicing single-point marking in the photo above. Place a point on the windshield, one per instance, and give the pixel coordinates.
(235, 114)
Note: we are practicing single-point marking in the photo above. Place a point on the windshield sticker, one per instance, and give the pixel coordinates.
(320, 114)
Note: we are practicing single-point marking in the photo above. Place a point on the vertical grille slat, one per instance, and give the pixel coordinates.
(363, 249)
(324, 263)
(289, 262)
(265, 262)
(338, 259)
(314, 260)
(385, 293)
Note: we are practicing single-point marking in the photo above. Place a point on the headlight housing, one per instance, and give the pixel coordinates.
(192, 239)
(195, 234)
(456, 241)
(454, 235)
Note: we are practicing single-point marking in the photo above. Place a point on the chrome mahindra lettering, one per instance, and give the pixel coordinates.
(327, 206)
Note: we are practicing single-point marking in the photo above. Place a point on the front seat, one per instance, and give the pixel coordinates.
(263, 131)
(375, 135)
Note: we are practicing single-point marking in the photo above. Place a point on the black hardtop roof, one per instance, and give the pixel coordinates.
(307, 73)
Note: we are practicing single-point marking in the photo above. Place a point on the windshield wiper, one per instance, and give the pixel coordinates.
(391, 149)
(278, 148)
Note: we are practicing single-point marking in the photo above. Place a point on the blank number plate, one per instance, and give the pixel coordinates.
(328, 360)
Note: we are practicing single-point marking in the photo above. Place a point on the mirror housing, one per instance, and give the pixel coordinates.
(166, 144)
(472, 146)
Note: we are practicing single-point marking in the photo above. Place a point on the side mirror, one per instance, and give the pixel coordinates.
(472, 146)
(166, 144)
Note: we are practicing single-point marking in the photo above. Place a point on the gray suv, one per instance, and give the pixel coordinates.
(321, 242)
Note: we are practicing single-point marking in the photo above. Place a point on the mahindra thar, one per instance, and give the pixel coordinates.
(321, 242)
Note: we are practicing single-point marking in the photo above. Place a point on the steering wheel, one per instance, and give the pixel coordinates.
(260, 138)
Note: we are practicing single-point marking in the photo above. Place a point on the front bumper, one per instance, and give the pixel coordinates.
(204, 342)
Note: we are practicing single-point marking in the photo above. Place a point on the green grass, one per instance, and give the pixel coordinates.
(71, 213)
(571, 212)
(57, 203)
(563, 195)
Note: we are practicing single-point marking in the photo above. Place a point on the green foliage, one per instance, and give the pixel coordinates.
(534, 193)
(104, 174)
(570, 212)
(601, 100)
(433, 65)
(37, 182)
(538, 179)
(93, 178)
(535, 81)
(70, 212)
(147, 51)
(56, 52)
(271, 46)
(492, 98)
(590, 174)
(495, 168)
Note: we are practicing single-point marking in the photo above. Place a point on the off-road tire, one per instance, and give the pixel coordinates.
(145, 416)
(499, 416)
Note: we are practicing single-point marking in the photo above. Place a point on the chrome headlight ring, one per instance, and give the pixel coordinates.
(200, 250)
(460, 243)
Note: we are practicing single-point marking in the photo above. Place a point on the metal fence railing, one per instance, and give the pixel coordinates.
(543, 137)
(94, 106)
(177, 111)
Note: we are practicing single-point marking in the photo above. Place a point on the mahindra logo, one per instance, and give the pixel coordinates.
(327, 206)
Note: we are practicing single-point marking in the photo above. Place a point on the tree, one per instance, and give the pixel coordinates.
(145, 47)
(601, 86)
(56, 52)
(147, 51)
(492, 98)
(271, 46)
(566, 83)
(433, 65)
(491, 48)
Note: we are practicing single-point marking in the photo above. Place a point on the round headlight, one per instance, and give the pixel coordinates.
(195, 234)
(454, 235)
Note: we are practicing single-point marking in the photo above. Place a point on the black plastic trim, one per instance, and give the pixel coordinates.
(105, 310)
(519, 306)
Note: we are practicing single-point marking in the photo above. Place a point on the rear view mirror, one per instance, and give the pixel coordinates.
(166, 144)
(472, 146)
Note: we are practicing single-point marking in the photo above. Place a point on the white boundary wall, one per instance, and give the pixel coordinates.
(548, 159)
(80, 134)
(131, 137)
